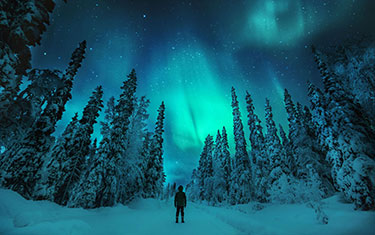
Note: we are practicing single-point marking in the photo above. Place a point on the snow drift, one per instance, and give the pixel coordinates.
(151, 216)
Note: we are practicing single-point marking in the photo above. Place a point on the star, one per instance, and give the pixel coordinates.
(192, 54)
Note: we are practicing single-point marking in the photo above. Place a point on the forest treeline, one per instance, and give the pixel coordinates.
(329, 147)
(71, 170)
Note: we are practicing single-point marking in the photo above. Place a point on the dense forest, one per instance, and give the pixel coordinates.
(329, 147)
(73, 169)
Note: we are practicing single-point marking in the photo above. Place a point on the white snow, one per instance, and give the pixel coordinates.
(150, 216)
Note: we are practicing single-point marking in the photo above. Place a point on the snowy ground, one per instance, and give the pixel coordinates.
(19, 216)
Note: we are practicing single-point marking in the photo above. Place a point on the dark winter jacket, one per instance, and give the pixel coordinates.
(180, 199)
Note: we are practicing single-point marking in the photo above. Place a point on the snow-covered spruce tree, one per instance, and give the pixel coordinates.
(154, 175)
(320, 117)
(314, 183)
(22, 22)
(353, 62)
(110, 114)
(130, 175)
(67, 159)
(218, 163)
(323, 168)
(93, 150)
(143, 164)
(124, 107)
(256, 130)
(118, 185)
(52, 169)
(305, 147)
(289, 189)
(137, 131)
(293, 128)
(308, 124)
(192, 188)
(138, 144)
(272, 139)
(274, 149)
(26, 157)
(260, 162)
(226, 162)
(28, 105)
(216, 155)
(297, 137)
(287, 159)
(92, 109)
(305, 117)
(322, 122)
(89, 191)
(241, 190)
(106, 182)
(282, 190)
(99, 186)
(352, 153)
(205, 170)
(77, 152)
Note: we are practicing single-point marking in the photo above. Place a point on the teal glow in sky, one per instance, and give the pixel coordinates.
(197, 103)
(265, 26)
(190, 53)
(275, 23)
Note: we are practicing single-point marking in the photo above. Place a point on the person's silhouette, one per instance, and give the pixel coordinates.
(180, 203)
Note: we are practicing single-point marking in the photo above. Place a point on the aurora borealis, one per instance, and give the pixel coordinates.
(190, 53)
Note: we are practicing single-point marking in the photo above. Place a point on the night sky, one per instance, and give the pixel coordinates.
(190, 53)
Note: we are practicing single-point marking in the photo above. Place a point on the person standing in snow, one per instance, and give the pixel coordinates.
(180, 203)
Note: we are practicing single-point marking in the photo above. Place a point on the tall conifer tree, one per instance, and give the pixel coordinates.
(242, 183)
(27, 157)
(352, 143)
(155, 176)
(227, 161)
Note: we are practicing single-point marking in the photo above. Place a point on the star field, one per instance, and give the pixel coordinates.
(190, 53)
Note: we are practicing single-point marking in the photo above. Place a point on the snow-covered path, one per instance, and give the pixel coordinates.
(19, 216)
(154, 220)
(152, 217)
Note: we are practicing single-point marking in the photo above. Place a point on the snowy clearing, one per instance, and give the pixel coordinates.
(149, 216)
